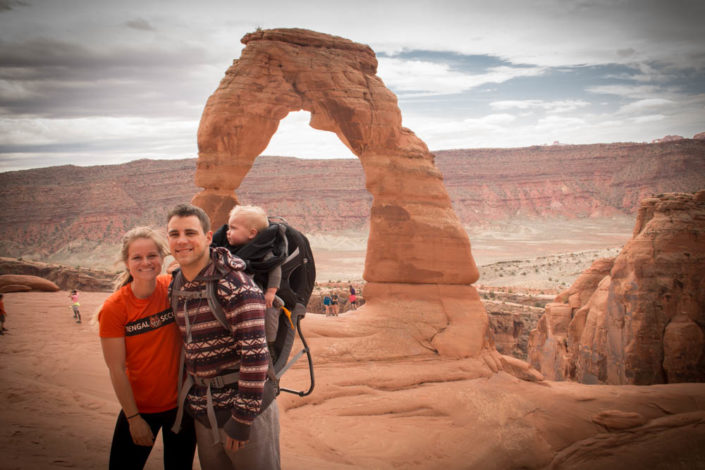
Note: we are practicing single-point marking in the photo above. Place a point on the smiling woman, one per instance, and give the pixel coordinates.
(141, 347)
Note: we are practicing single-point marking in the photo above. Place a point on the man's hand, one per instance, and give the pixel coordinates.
(234, 445)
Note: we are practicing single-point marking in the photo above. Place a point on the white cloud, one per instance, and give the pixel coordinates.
(628, 91)
(428, 78)
(649, 118)
(646, 105)
(560, 106)
(89, 130)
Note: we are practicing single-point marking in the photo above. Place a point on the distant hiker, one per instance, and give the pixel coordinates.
(352, 299)
(245, 223)
(75, 305)
(141, 346)
(327, 304)
(2, 316)
(334, 301)
(226, 370)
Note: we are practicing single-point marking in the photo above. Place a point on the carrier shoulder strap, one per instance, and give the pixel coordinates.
(177, 282)
(214, 305)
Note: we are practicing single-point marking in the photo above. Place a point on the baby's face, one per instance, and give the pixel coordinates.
(239, 232)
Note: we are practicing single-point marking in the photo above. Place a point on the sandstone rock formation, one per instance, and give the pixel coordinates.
(644, 321)
(699, 136)
(510, 325)
(20, 283)
(669, 138)
(417, 252)
(63, 276)
(414, 235)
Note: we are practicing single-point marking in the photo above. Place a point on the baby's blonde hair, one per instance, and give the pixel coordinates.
(254, 216)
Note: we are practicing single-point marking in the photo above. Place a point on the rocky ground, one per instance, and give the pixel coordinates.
(414, 413)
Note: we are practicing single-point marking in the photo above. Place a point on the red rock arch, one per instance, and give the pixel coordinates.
(415, 237)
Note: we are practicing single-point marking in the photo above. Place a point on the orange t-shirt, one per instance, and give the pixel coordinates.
(152, 343)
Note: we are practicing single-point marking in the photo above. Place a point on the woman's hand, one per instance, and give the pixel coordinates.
(114, 354)
(141, 432)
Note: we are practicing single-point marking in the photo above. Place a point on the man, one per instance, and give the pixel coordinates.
(226, 369)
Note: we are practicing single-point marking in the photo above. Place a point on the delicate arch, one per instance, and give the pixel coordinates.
(415, 237)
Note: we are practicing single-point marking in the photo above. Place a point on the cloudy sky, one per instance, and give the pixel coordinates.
(99, 82)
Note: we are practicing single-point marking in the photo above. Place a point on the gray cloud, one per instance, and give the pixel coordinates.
(140, 25)
(56, 78)
(7, 5)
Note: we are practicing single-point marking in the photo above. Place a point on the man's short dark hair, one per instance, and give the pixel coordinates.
(188, 210)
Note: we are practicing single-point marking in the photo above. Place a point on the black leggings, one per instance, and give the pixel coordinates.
(179, 448)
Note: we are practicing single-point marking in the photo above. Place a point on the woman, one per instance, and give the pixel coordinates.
(141, 346)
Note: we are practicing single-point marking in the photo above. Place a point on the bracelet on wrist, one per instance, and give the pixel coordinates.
(130, 417)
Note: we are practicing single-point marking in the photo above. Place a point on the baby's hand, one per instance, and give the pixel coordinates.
(269, 297)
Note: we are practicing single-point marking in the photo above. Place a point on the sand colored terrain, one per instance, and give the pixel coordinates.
(416, 412)
(539, 253)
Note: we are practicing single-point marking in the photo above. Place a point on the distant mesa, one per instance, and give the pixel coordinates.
(699, 136)
(668, 138)
(639, 318)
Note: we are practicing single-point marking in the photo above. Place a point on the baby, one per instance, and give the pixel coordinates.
(244, 224)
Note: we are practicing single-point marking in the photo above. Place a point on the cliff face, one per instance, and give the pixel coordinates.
(63, 212)
(79, 213)
(640, 318)
(568, 181)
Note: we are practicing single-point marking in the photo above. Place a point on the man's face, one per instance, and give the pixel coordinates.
(188, 243)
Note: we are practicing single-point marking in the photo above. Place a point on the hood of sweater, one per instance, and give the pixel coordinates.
(222, 261)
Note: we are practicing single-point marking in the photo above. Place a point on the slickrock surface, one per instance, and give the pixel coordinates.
(20, 282)
(640, 318)
(415, 413)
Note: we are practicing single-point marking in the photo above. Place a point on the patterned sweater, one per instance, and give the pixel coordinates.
(214, 351)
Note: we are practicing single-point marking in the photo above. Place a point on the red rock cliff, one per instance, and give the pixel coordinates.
(644, 322)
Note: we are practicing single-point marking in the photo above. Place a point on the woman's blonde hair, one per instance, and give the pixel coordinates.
(136, 233)
(254, 216)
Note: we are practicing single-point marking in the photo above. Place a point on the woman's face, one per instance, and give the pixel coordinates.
(143, 259)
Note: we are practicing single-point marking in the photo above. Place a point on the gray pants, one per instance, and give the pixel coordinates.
(260, 453)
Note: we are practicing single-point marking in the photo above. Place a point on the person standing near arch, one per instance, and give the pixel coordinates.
(141, 347)
(226, 369)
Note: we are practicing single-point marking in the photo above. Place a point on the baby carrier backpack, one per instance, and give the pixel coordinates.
(290, 249)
